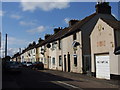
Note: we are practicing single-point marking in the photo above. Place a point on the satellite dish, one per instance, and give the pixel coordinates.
(42, 49)
(48, 45)
(42, 53)
(75, 44)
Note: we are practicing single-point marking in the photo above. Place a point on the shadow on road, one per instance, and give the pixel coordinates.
(31, 79)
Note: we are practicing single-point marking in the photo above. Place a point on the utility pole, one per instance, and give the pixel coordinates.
(6, 46)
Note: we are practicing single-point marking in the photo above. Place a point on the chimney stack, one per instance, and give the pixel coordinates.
(47, 35)
(57, 30)
(72, 22)
(40, 40)
(103, 8)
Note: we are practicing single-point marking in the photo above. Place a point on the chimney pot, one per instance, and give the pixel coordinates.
(57, 30)
(47, 35)
(103, 8)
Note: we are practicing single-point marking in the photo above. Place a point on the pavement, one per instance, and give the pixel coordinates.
(85, 81)
(52, 79)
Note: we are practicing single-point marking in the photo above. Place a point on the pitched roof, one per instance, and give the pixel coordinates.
(67, 31)
(55, 36)
(75, 28)
(113, 23)
(16, 55)
(28, 48)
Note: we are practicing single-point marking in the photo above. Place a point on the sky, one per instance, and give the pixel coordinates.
(27, 22)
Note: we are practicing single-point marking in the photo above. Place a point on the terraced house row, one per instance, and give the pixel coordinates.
(88, 46)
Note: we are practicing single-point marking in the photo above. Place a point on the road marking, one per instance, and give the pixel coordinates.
(67, 84)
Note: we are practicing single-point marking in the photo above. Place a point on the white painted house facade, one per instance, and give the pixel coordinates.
(104, 62)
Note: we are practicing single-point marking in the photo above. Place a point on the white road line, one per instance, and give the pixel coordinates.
(67, 84)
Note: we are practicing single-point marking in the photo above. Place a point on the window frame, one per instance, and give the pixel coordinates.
(53, 61)
(75, 60)
(60, 60)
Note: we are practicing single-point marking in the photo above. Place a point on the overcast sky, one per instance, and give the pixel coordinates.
(26, 22)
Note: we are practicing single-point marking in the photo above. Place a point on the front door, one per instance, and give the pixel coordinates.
(68, 62)
(64, 62)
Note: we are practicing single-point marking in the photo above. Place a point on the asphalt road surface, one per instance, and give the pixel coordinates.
(45, 79)
(32, 79)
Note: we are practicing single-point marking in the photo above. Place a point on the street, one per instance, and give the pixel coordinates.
(36, 79)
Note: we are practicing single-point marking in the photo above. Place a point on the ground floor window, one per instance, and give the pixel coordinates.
(60, 60)
(75, 60)
(41, 59)
(53, 61)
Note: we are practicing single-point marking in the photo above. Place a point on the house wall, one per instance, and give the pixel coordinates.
(68, 48)
(59, 53)
(87, 28)
(33, 55)
(53, 54)
(22, 57)
(26, 57)
(29, 56)
(114, 64)
(103, 41)
(41, 57)
(119, 64)
(46, 55)
(37, 53)
(18, 58)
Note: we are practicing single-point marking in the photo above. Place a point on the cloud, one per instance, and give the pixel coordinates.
(2, 13)
(16, 41)
(26, 23)
(12, 41)
(37, 30)
(15, 16)
(12, 51)
(45, 6)
(66, 20)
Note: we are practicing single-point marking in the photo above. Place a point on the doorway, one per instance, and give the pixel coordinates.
(64, 62)
(68, 62)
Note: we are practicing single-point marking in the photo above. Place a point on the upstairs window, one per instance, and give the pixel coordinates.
(53, 46)
(60, 44)
(34, 50)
